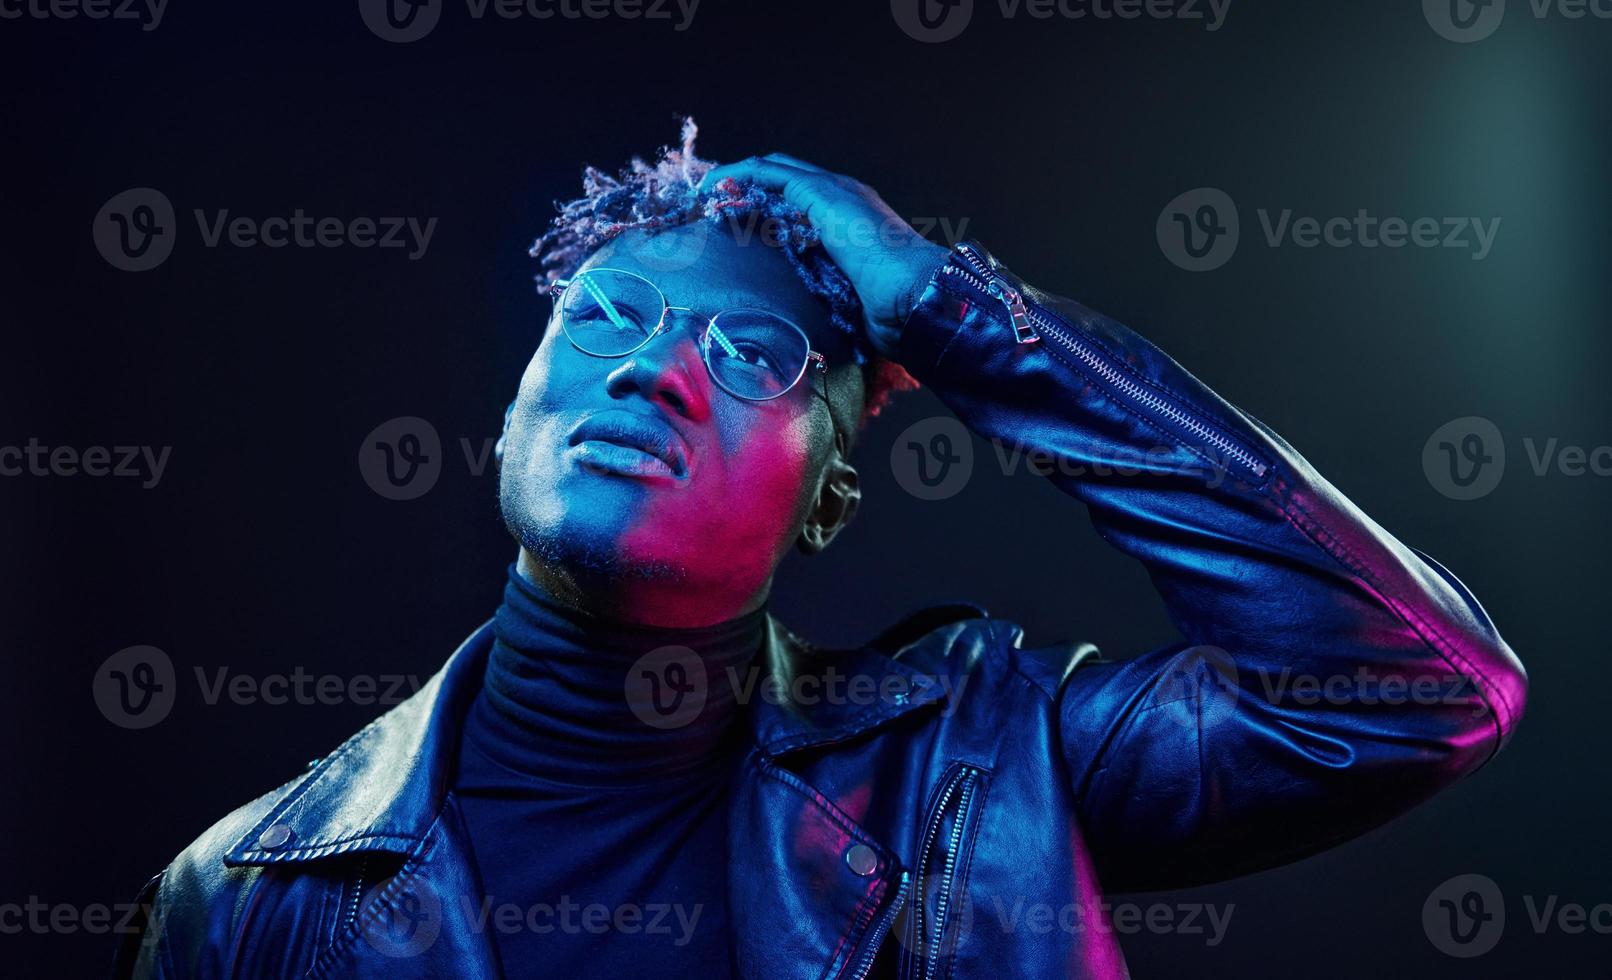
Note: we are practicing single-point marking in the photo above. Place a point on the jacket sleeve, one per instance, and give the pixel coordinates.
(1327, 677)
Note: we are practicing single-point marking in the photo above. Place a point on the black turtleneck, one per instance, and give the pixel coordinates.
(597, 801)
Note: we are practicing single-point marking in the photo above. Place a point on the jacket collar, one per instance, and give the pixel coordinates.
(384, 787)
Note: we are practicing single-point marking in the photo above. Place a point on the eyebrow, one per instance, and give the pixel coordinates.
(735, 301)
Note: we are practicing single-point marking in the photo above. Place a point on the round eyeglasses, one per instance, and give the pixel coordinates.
(751, 354)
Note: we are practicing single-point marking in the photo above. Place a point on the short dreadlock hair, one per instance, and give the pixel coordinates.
(655, 197)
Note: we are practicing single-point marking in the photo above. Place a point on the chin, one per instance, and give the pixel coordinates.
(593, 536)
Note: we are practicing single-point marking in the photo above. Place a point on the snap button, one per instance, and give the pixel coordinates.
(861, 860)
(276, 836)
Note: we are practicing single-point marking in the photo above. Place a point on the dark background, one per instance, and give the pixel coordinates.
(1058, 141)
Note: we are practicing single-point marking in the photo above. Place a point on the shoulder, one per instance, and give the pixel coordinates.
(197, 867)
(273, 866)
(194, 898)
(963, 638)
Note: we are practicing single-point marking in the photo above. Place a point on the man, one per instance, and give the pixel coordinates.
(594, 786)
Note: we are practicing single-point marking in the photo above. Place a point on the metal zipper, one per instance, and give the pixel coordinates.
(1030, 321)
(1018, 312)
(358, 891)
(961, 786)
(881, 929)
(943, 897)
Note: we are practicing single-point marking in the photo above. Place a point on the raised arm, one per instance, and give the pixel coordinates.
(1327, 677)
(1330, 677)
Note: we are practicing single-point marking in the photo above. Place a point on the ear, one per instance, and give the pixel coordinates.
(498, 447)
(837, 499)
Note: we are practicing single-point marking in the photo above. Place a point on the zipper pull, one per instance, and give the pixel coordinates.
(1023, 329)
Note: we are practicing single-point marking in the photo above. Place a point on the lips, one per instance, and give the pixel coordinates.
(652, 447)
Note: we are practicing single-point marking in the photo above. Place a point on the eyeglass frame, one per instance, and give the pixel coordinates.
(558, 288)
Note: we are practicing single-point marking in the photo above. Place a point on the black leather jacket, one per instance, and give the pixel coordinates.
(883, 837)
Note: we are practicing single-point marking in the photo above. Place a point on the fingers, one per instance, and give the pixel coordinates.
(814, 192)
(768, 173)
(792, 161)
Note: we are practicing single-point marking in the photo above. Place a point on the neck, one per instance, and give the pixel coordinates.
(665, 601)
(581, 700)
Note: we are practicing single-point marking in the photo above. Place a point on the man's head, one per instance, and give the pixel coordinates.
(693, 537)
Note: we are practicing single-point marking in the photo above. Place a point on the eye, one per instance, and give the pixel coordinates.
(757, 357)
(592, 313)
(753, 353)
(609, 313)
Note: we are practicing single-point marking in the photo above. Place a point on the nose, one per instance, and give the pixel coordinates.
(668, 370)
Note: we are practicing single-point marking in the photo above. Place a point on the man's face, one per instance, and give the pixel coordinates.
(743, 476)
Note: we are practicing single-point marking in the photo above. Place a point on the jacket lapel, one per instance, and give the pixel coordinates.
(806, 883)
(427, 920)
(383, 788)
(821, 696)
(386, 791)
